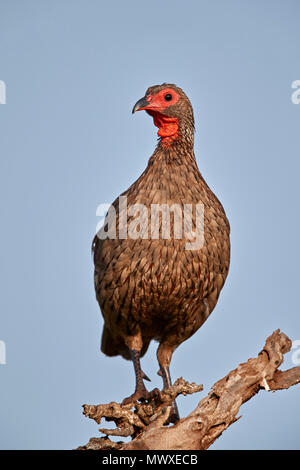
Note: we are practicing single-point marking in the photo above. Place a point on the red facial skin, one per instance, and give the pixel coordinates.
(168, 126)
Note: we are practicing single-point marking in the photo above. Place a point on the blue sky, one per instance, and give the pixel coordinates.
(68, 142)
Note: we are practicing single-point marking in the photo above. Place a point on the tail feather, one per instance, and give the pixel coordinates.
(112, 346)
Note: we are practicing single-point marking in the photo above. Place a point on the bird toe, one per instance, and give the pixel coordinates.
(141, 395)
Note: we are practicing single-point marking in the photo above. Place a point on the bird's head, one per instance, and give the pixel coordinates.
(171, 110)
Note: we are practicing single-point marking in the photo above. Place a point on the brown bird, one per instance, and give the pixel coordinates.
(162, 256)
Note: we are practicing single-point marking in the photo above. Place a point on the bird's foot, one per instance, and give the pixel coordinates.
(141, 395)
(174, 416)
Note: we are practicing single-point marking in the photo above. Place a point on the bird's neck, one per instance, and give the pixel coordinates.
(177, 152)
(174, 132)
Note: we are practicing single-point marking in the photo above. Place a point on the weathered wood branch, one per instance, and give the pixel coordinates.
(146, 423)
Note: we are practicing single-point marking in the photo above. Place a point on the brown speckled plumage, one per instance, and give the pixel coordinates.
(155, 288)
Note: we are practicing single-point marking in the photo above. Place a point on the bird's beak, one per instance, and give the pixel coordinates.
(140, 104)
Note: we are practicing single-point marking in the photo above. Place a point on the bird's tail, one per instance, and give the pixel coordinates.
(112, 346)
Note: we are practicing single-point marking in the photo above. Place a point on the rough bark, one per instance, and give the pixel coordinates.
(146, 423)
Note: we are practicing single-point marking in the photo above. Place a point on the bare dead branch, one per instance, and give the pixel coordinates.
(146, 423)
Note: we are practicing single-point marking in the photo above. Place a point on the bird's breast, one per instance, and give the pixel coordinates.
(173, 251)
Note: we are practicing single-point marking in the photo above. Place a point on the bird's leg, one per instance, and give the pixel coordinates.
(135, 344)
(164, 355)
(164, 372)
(141, 393)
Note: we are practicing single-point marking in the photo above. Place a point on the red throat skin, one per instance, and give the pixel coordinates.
(168, 127)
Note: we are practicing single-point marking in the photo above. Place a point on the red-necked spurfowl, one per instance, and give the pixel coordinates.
(162, 256)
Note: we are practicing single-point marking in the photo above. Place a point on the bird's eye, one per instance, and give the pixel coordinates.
(168, 97)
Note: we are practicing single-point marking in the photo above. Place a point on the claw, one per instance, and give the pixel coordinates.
(174, 416)
(145, 377)
(141, 395)
(265, 384)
